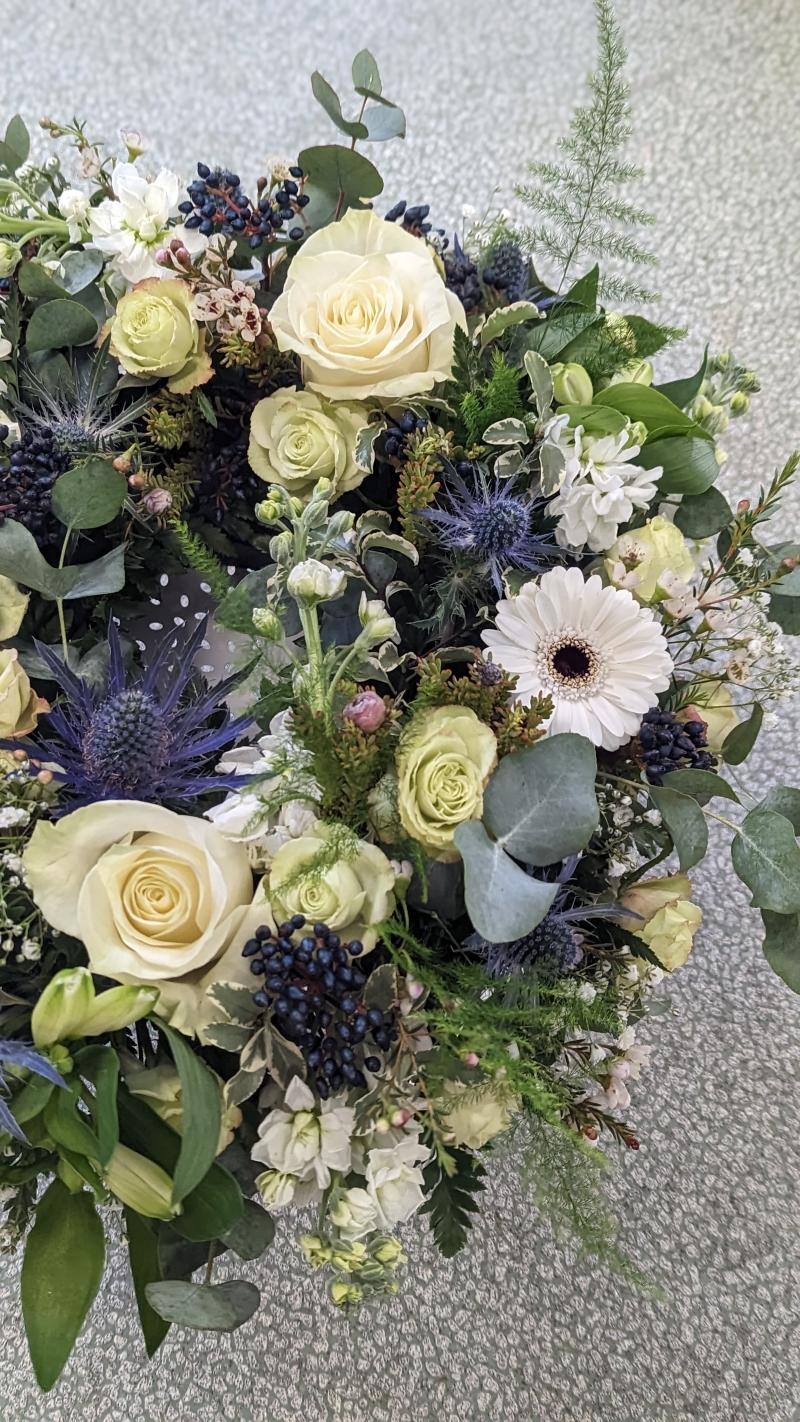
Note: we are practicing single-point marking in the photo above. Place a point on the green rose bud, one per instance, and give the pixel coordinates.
(140, 1183)
(638, 559)
(444, 762)
(154, 332)
(572, 384)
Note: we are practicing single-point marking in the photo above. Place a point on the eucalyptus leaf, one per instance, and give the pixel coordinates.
(216, 1307)
(90, 495)
(444, 889)
(329, 99)
(80, 269)
(18, 139)
(740, 741)
(60, 323)
(766, 857)
(782, 946)
(541, 378)
(503, 901)
(701, 515)
(540, 803)
(37, 283)
(789, 585)
(786, 612)
(688, 465)
(685, 821)
(61, 1273)
(366, 74)
(340, 170)
(784, 800)
(253, 1233)
(384, 121)
(702, 785)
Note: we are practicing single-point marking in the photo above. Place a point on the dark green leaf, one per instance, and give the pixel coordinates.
(584, 292)
(100, 1066)
(642, 402)
(90, 495)
(786, 612)
(444, 884)
(91, 298)
(682, 392)
(700, 515)
(540, 803)
(68, 1126)
(206, 408)
(552, 338)
(766, 857)
(650, 337)
(685, 821)
(329, 99)
(179, 1258)
(702, 785)
(503, 901)
(145, 1268)
(60, 323)
(341, 170)
(595, 419)
(366, 74)
(61, 1273)
(784, 800)
(782, 946)
(688, 465)
(452, 1200)
(37, 283)
(253, 1233)
(740, 741)
(202, 1115)
(32, 1099)
(218, 1307)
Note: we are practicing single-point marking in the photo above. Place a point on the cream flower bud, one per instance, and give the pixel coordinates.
(375, 619)
(354, 1213)
(276, 1190)
(74, 208)
(317, 1251)
(10, 258)
(268, 624)
(572, 384)
(346, 1295)
(140, 1183)
(388, 1252)
(311, 582)
(69, 1008)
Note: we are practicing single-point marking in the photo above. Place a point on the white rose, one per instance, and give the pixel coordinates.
(297, 438)
(394, 1182)
(238, 817)
(312, 581)
(74, 208)
(305, 1141)
(156, 897)
(354, 1213)
(366, 308)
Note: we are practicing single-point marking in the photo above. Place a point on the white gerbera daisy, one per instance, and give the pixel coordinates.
(599, 654)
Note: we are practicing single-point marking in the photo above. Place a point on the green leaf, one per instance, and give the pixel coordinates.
(341, 170)
(18, 139)
(685, 821)
(700, 515)
(783, 800)
(584, 292)
(206, 408)
(782, 946)
(60, 323)
(540, 376)
(236, 1001)
(100, 1066)
(740, 741)
(217, 1307)
(329, 99)
(702, 785)
(145, 1268)
(37, 283)
(61, 1273)
(452, 1200)
(788, 585)
(596, 420)
(68, 1126)
(682, 392)
(202, 1115)
(21, 560)
(506, 316)
(642, 402)
(551, 338)
(384, 121)
(90, 495)
(650, 337)
(540, 804)
(509, 431)
(104, 575)
(253, 1233)
(381, 989)
(688, 465)
(32, 1099)
(80, 269)
(766, 857)
(366, 74)
(503, 901)
(179, 1258)
(786, 612)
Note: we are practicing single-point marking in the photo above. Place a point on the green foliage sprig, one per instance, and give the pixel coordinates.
(514, 726)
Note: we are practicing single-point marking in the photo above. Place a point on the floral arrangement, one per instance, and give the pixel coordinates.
(326, 933)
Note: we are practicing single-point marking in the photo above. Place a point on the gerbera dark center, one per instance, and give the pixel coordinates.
(572, 662)
(127, 741)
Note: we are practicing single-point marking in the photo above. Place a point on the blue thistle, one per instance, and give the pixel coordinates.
(156, 738)
(19, 1054)
(492, 522)
(554, 947)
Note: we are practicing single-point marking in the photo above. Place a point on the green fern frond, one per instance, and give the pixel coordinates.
(199, 556)
(578, 202)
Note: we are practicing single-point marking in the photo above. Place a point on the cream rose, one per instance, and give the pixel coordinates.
(444, 762)
(639, 558)
(20, 707)
(351, 896)
(154, 333)
(13, 606)
(366, 309)
(156, 897)
(477, 1120)
(670, 918)
(297, 438)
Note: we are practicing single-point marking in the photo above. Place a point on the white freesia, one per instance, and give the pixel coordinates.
(354, 1213)
(601, 488)
(131, 227)
(394, 1181)
(74, 208)
(304, 1141)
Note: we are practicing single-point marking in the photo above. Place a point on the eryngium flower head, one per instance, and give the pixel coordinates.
(491, 522)
(156, 738)
(553, 948)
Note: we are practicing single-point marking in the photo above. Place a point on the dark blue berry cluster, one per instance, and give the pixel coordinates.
(668, 744)
(315, 991)
(217, 203)
(461, 277)
(413, 218)
(396, 434)
(26, 483)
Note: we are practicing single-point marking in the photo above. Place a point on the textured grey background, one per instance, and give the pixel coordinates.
(515, 1329)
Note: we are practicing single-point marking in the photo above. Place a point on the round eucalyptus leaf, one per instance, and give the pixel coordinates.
(60, 323)
(218, 1307)
(766, 857)
(503, 901)
(540, 804)
(90, 495)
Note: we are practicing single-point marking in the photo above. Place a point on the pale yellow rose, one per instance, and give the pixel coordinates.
(366, 309)
(296, 438)
(350, 897)
(638, 558)
(20, 707)
(475, 1121)
(154, 333)
(444, 762)
(157, 898)
(161, 1087)
(714, 705)
(670, 918)
(13, 606)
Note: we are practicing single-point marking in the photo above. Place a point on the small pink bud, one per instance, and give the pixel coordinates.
(122, 463)
(367, 711)
(414, 989)
(400, 1117)
(743, 505)
(157, 501)
(44, 777)
(471, 1059)
(163, 258)
(136, 481)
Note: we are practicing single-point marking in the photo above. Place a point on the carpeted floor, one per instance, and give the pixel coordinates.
(514, 1329)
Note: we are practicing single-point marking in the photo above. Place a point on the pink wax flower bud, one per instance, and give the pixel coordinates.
(163, 257)
(743, 505)
(367, 711)
(471, 1059)
(157, 501)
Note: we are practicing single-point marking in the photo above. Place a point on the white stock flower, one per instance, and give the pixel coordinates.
(601, 487)
(394, 1181)
(312, 581)
(74, 208)
(276, 1190)
(131, 227)
(304, 1141)
(354, 1213)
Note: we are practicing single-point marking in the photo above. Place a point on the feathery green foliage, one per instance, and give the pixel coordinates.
(199, 556)
(451, 1201)
(578, 201)
(497, 399)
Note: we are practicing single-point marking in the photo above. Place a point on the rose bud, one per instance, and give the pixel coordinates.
(157, 501)
(367, 710)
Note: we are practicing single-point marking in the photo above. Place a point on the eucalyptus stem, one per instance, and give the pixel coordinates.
(209, 1263)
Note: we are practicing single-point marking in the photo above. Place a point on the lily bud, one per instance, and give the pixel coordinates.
(117, 1008)
(311, 582)
(140, 1183)
(69, 1008)
(572, 384)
